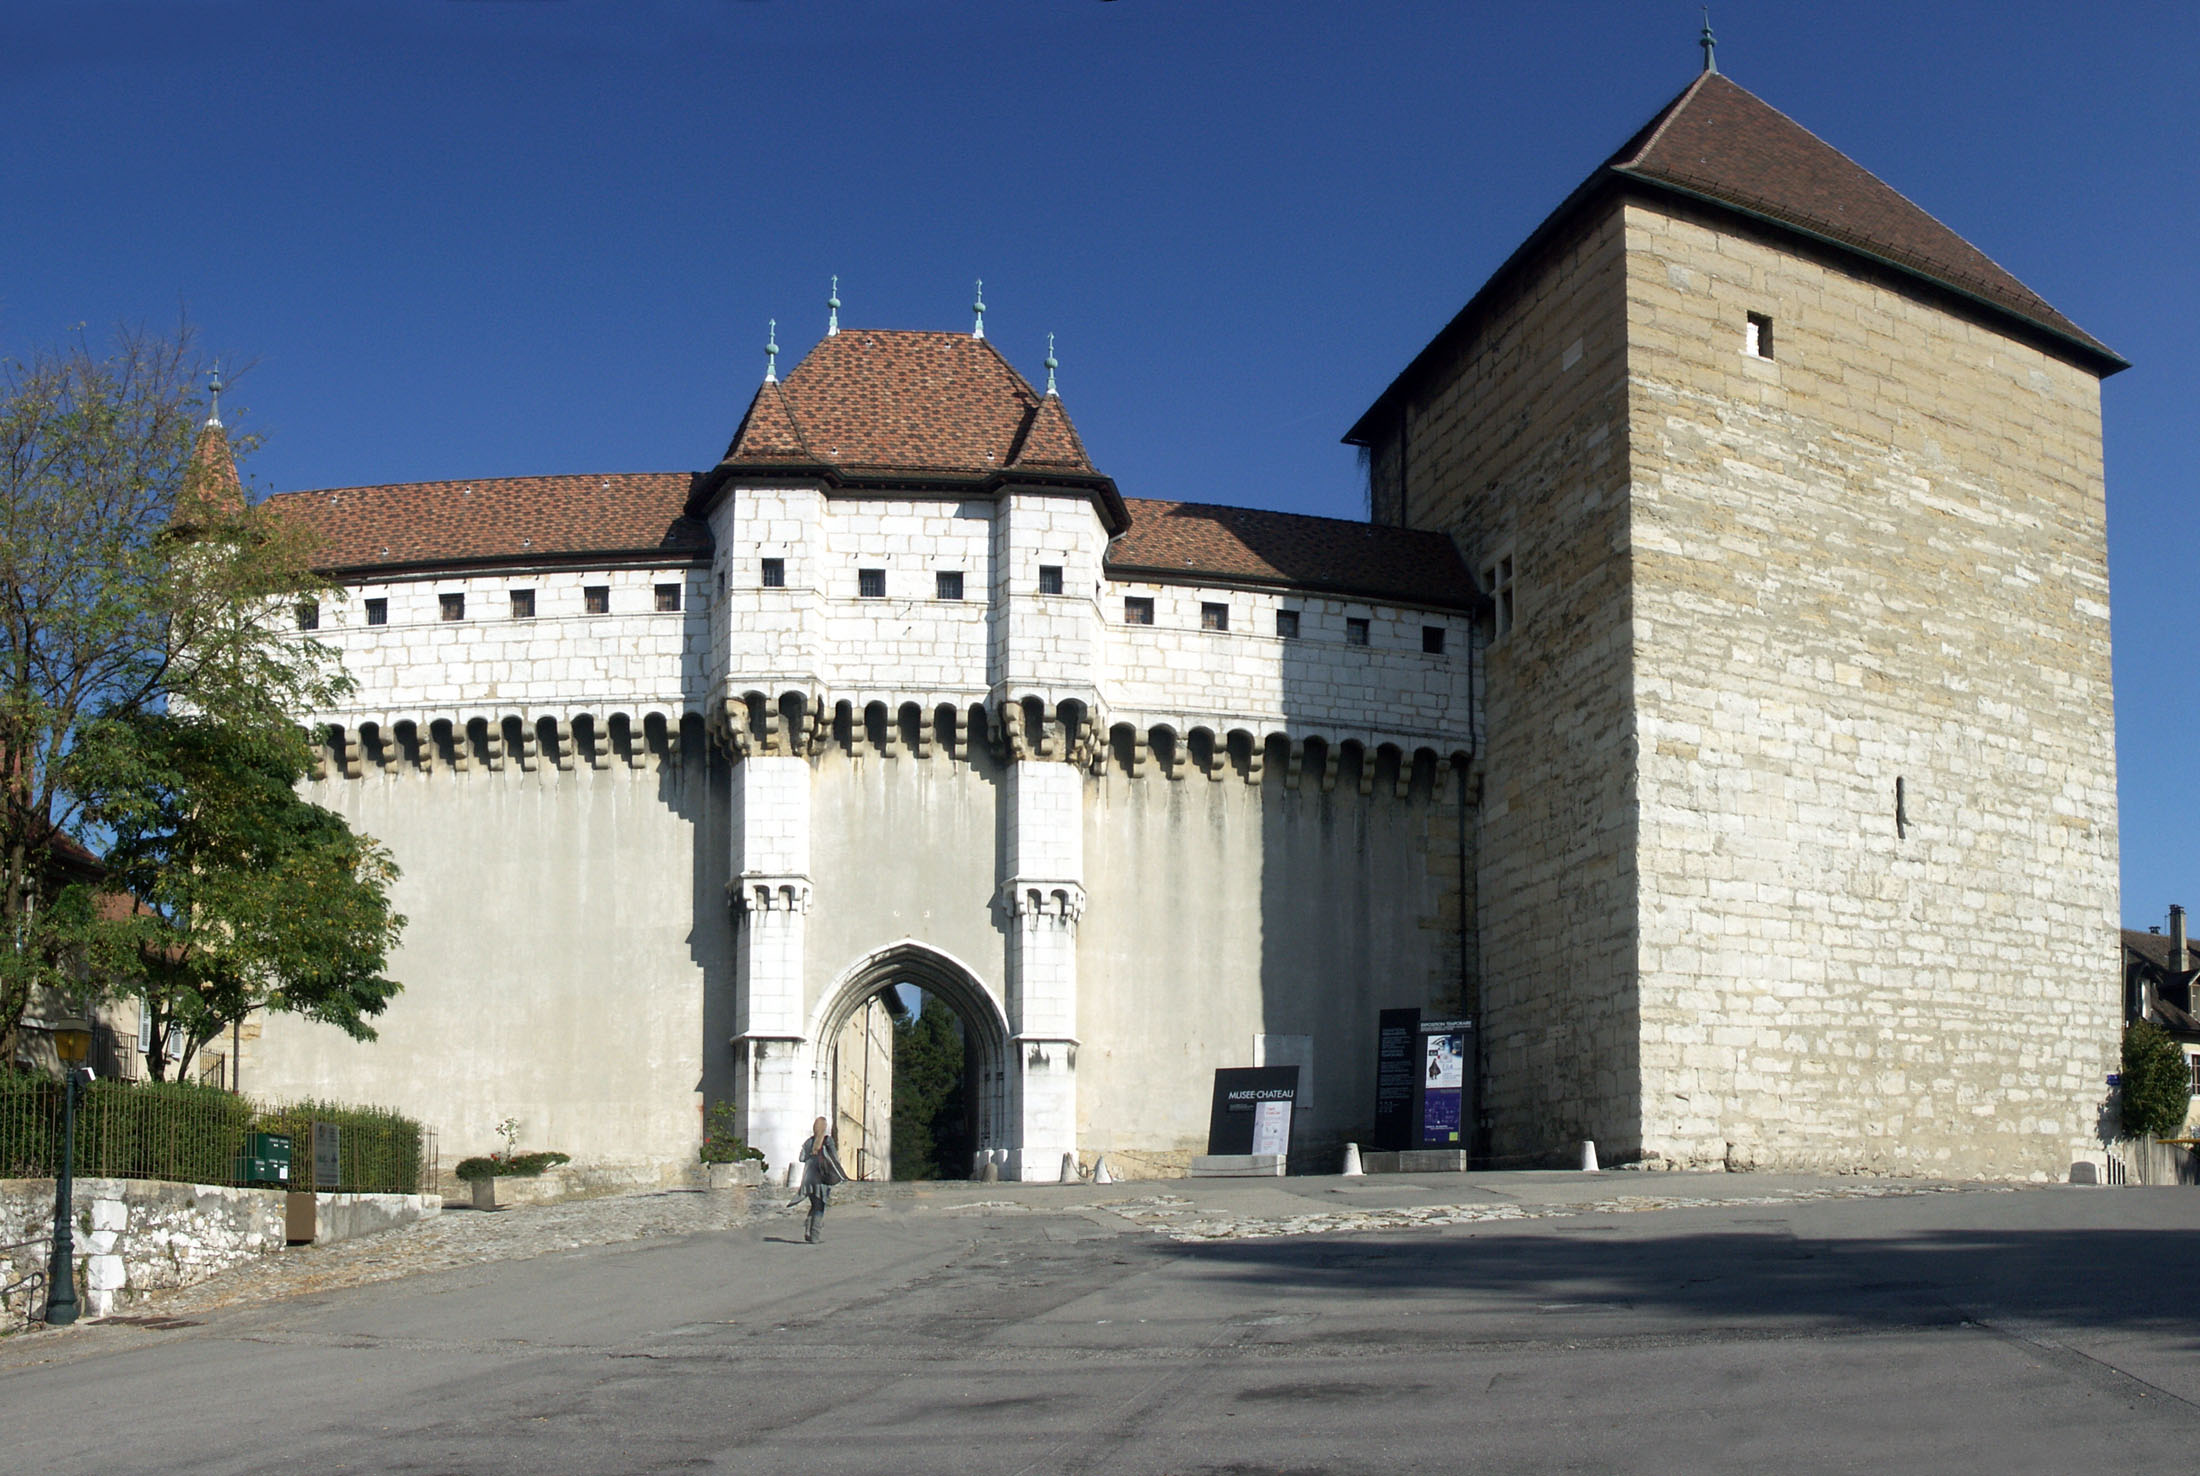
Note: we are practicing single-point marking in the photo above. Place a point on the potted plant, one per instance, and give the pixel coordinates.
(483, 1172)
(728, 1159)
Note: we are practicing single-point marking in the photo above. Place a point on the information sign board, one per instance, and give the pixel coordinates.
(1238, 1122)
(1397, 1047)
(1445, 1062)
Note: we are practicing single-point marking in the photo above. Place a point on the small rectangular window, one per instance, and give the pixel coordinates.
(1497, 582)
(948, 584)
(1757, 336)
(378, 612)
(1287, 624)
(775, 573)
(523, 604)
(871, 584)
(1137, 610)
(596, 599)
(1432, 639)
(1355, 631)
(309, 614)
(1050, 579)
(453, 606)
(1214, 617)
(668, 599)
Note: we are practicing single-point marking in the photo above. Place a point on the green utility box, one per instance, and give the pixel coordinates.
(265, 1160)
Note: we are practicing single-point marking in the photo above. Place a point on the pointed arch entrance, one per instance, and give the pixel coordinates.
(987, 1054)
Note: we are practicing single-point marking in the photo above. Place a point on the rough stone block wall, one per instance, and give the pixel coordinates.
(1876, 557)
(1518, 448)
(134, 1236)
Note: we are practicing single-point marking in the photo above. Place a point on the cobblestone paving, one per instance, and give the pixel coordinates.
(463, 1238)
(1180, 1219)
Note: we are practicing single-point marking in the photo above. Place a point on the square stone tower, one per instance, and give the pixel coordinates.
(1797, 836)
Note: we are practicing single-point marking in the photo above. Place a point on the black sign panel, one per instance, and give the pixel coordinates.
(1397, 1055)
(1239, 1093)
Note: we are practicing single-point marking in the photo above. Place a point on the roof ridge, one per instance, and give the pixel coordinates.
(1654, 130)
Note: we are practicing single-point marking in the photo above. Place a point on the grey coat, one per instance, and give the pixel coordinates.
(821, 1166)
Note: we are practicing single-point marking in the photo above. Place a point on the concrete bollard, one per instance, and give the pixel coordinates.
(1100, 1174)
(1352, 1169)
(1069, 1170)
(1589, 1156)
(991, 1172)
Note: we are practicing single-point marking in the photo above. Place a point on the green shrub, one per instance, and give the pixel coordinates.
(722, 1141)
(2157, 1082)
(519, 1166)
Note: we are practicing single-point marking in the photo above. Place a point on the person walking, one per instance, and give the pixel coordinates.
(821, 1170)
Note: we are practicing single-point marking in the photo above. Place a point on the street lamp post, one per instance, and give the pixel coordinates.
(72, 1042)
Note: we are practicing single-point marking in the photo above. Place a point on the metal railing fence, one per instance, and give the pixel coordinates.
(194, 1133)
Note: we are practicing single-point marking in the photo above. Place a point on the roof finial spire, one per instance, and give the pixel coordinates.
(1710, 44)
(832, 311)
(978, 307)
(1051, 364)
(771, 353)
(214, 389)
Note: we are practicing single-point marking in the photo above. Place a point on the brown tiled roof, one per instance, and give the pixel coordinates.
(880, 402)
(2153, 947)
(213, 473)
(768, 432)
(1720, 141)
(1050, 441)
(501, 518)
(1190, 540)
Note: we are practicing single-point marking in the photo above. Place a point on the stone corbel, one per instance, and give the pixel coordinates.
(1332, 760)
(1034, 898)
(759, 891)
(561, 731)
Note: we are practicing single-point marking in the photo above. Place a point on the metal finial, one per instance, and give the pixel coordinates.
(1709, 43)
(771, 353)
(214, 388)
(1051, 364)
(832, 311)
(978, 307)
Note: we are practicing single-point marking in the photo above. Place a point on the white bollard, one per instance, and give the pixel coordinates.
(1352, 1169)
(1069, 1170)
(1589, 1156)
(1100, 1174)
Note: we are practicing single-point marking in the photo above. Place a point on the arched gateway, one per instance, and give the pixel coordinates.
(985, 1030)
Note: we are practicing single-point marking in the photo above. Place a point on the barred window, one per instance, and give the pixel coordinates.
(523, 604)
(453, 606)
(596, 599)
(1050, 579)
(870, 584)
(668, 599)
(309, 614)
(948, 584)
(1213, 616)
(1137, 610)
(378, 612)
(1355, 631)
(1287, 624)
(775, 573)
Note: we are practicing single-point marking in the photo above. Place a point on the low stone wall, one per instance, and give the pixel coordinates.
(137, 1236)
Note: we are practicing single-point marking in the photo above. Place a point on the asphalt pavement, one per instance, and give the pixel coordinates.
(1619, 1322)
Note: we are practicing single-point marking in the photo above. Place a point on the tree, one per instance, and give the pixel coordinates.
(134, 577)
(2157, 1084)
(247, 897)
(928, 1098)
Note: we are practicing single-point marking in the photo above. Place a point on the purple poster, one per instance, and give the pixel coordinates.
(1442, 1088)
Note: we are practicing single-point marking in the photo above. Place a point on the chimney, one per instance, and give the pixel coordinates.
(2180, 957)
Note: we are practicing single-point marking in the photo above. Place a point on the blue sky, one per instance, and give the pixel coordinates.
(494, 237)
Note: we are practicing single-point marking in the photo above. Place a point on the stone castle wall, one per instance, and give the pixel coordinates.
(1876, 556)
(1518, 449)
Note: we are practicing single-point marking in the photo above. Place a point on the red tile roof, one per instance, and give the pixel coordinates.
(501, 519)
(880, 403)
(1721, 141)
(1720, 144)
(1186, 541)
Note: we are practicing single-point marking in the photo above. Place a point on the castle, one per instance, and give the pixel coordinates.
(1715, 708)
